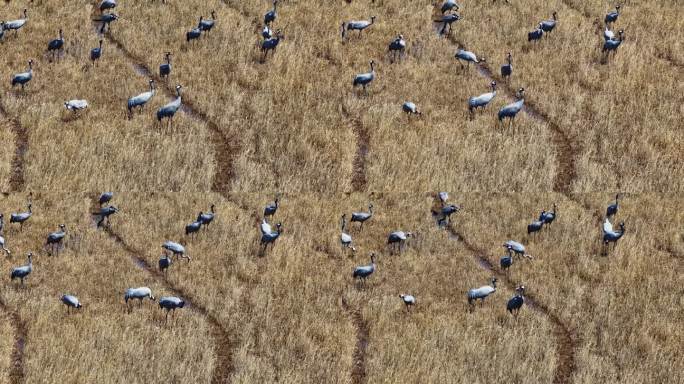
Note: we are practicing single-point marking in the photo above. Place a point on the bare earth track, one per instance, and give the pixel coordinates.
(565, 336)
(358, 373)
(17, 369)
(222, 340)
(359, 181)
(16, 181)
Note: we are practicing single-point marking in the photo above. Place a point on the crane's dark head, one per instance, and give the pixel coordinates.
(494, 280)
(617, 7)
(409, 234)
(622, 226)
(30, 255)
(372, 255)
(401, 37)
(621, 33)
(62, 226)
(213, 15)
(520, 289)
(30, 63)
(370, 206)
(178, 87)
(521, 91)
(372, 19)
(555, 15)
(509, 55)
(280, 227)
(25, 13)
(493, 84)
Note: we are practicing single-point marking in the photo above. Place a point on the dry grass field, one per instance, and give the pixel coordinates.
(293, 125)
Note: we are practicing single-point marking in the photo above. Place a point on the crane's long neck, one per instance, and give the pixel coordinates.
(370, 209)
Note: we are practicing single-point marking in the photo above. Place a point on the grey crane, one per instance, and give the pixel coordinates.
(2, 30)
(608, 34)
(271, 208)
(96, 53)
(505, 262)
(165, 262)
(139, 294)
(511, 110)
(107, 4)
(55, 46)
(54, 239)
(516, 248)
(362, 217)
(194, 227)
(536, 225)
(410, 108)
(104, 214)
(208, 24)
(271, 15)
(345, 238)
(536, 34)
(507, 69)
(447, 21)
(268, 235)
(548, 216)
(106, 20)
(2, 246)
(448, 5)
(516, 302)
(364, 79)
(22, 272)
(140, 100)
(397, 239)
(16, 25)
(481, 293)
(467, 56)
(612, 17)
(267, 32)
(270, 45)
(612, 45)
(477, 102)
(357, 25)
(2, 222)
(364, 271)
(165, 68)
(22, 217)
(207, 218)
(76, 105)
(610, 235)
(176, 249)
(71, 301)
(409, 301)
(445, 213)
(397, 47)
(24, 77)
(105, 197)
(548, 25)
(612, 209)
(194, 33)
(170, 303)
(170, 109)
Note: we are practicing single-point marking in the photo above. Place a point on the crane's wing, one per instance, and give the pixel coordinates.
(607, 226)
(265, 227)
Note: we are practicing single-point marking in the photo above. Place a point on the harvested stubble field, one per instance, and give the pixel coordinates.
(294, 125)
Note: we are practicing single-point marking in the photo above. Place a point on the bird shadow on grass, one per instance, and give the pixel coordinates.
(69, 117)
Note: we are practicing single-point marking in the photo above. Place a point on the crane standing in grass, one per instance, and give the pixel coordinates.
(355, 25)
(16, 25)
(409, 301)
(510, 111)
(165, 68)
(481, 293)
(96, 53)
(24, 77)
(516, 302)
(364, 79)
(170, 109)
(22, 272)
(364, 271)
(71, 301)
(507, 69)
(56, 46)
(345, 238)
(22, 217)
(140, 100)
(362, 217)
(54, 239)
(476, 102)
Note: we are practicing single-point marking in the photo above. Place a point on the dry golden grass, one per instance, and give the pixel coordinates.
(293, 124)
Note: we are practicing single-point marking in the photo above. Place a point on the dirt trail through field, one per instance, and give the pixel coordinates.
(20, 332)
(359, 181)
(16, 181)
(223, 345)
(565, 336)
(358, 373)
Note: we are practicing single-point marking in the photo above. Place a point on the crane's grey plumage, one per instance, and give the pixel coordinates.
(357, 25)
(448, 5)
(446, 211)
(207, 25)
(612, 45)
(537, 34)
(362, 217)
(56, 45)
(104, 214)
(16, 25)
(516, 248)
(397, 239)
(2, 29)
(3, 247)
(548, 217)
(612, 17)
(364, 79)
(170, 303)
(76, 105)
(345, 238)
(476, 102)
(2, 222)
(22, 272)
(24, 77)
(165, 262)
(516, 302)
(176, 249)
(107, 4)
(207, 218)
(193, 227)
(268, 235)
(165, 68)
(139, 294)
(511, 110)
(71, 301)
(507, 69)
(548, 25)
(271, 44)
(271, 208)
(447, 21)
(22, 217)
(410, 108)
(505, 262)
(194, 33)
(140, 100)
(482, 292)
(96, 53)
(364, 271)
(105, 197)
(612, 209)
(536, 225)
(610, 235)
(409, 301)
(467, 56)
(170, 109)
(267, 32)
(271, 15)
(106, 20)
(54, 239)
(608, 34)
(397, 47)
